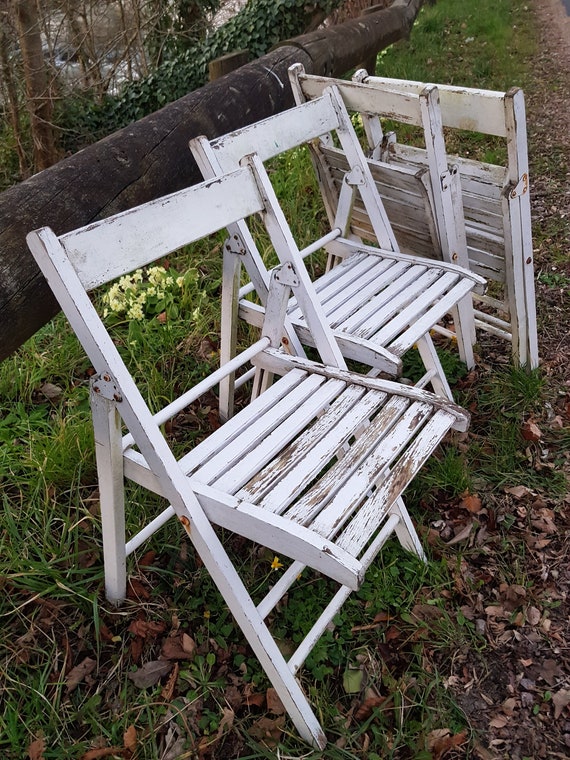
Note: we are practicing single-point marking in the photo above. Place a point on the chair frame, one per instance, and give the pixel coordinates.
(83, 259)
(495, 199)
(288, 130)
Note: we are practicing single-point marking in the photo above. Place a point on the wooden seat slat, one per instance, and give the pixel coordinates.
(357, 533)
(254, 430)
(296, 463)
(262, 443)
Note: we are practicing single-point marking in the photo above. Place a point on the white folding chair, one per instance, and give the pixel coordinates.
(379, 301)
(423, 203)
(495, 198)
(313, 468)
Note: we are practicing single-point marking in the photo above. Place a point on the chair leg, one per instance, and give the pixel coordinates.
(431, 361)
(109, 456)
(464, 321)
(228, 340)
(405, 530)
(254, 628)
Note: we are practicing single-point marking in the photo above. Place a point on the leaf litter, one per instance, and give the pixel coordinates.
(514, 689)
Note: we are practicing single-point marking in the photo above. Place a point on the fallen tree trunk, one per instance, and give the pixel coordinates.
(151, 158)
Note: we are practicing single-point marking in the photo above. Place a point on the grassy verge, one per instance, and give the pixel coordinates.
(382, 681)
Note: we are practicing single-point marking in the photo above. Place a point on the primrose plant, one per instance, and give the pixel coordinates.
(155, 292)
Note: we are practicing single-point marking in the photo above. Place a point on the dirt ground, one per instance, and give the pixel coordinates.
(548, 115)
(517, 692)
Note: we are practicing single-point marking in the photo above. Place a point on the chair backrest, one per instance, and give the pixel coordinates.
(403, 189)
(93, 255)
(495, 198)
(319, 118)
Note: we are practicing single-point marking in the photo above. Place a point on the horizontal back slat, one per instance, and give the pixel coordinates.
(391, 103)
(155, 229)
(461, 107)
(405, 198)
(278, 133)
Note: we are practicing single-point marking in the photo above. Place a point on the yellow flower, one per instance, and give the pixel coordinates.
(207, 614)
(276, 564)
(135, 312)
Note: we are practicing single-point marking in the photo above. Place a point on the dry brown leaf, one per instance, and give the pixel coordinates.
(560, 699)
(538, 543)
(550, 671)
(147, 629)
(530, 431)
(95, 754)
(168, 689)
(51, 391)
(274, 704)
(137, 590)
(150, 673)
(426, 612)
(36, 749)
(499, 721)
(177, 648)
(495, 610)
(364, 711)
(79, 673)
(392, 633)
(545, 521)
(137, 645)
(509, 705)
(461, 535)
(147, 559)
(482, 753)
(471, 502)
(130, 739)
(441, 740)
(255, 698)
(533, 615)
(188, 644)
(268, 730)
(226, 722)
(519, 492)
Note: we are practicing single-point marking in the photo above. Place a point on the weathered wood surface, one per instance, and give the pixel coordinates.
(313, 468)
(150, 158)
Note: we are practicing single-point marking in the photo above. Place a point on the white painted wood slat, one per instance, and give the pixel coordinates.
(269, 444)
(388, 302)
(348, 498)
(234, 449)
(305, 509)
(298, 457)
(356, 535)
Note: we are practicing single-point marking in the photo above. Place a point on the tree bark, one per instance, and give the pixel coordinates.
(151, 158)
(38, 99)
(11, 94)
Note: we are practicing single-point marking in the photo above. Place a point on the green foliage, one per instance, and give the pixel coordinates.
(257, 27)
(481, 40)
(405, 632)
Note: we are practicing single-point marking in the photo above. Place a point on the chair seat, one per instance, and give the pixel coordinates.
(311, 467)
(387, 300)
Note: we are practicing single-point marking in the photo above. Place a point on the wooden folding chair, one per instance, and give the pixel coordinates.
(379, 302)
(313, 468)
(423, 202)
(495, 196)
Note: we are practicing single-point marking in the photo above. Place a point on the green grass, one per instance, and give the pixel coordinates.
(396, 639)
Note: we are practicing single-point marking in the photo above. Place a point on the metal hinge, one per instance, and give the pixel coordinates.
(354, 177)
(520, 188)
(286, 275)
(235, 244)
(106, 386)
(445, 179)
